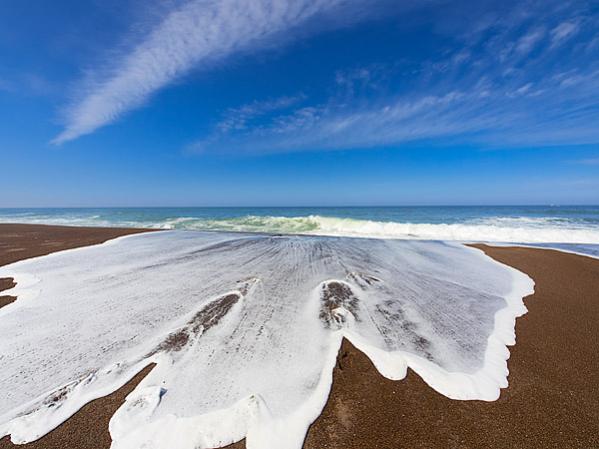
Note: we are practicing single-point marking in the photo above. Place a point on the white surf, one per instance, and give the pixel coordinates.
(245, 331)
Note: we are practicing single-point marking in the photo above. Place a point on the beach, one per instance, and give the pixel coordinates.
(551, 401)
(299, 224)
(19, 242)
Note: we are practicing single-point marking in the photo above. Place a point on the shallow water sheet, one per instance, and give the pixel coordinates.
(245, 330)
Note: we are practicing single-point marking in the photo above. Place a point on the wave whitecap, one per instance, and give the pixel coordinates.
(491, 229)
(524, 230)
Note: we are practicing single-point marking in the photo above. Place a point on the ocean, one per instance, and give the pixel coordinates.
(509, 224)
(260, 318)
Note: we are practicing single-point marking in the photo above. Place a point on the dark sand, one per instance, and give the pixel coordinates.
(5, 284)
(88, 428)
(552, 400)
(21, 241)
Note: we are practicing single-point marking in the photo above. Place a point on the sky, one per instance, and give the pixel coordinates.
(298, 102)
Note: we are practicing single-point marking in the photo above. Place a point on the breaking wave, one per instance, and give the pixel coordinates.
(488, 229)
(521, 230)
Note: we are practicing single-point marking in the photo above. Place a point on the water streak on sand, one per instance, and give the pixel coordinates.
(245, 331)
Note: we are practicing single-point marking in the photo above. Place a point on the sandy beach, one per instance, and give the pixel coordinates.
(551, 401)
(299, 224)
(19, 242)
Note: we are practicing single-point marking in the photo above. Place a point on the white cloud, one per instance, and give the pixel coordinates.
(563, 31)
(488, 88)
(194, 35)
(524, 89)
(529, 41)
(238, 118)
(498, 96)
(487, 112)
(337, 127)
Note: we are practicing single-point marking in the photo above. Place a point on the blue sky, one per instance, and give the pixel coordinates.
(303, 102)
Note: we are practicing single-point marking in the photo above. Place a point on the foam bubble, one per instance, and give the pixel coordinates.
(244, 330)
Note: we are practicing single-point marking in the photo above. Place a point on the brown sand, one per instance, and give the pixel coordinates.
(5, 284)
(88, 428)
(20, 241)
(552, 400)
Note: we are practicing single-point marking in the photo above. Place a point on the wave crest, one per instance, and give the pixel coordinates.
(503, 229)
(499, 229)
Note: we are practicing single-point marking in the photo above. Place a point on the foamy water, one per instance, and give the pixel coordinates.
(245, 331)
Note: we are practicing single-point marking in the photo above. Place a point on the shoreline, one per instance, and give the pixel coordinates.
(25, 241)
(550, 401)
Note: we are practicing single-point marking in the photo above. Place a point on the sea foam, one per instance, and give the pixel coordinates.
(244, 330)
(497, 229)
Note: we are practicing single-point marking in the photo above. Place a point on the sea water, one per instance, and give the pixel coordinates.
(517, 224)
(245, 330)
(244, 322)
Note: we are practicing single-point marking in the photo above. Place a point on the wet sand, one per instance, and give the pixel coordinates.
(23, 241)
(552, 400)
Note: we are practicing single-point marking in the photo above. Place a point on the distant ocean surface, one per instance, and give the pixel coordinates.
(518, 224)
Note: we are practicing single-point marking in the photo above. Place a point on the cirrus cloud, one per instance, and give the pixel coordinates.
(195, 34)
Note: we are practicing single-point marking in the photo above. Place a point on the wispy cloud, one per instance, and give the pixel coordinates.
(336, 126)
(193, 35)
(514, 78)
(238, 118)
(528, 42)
(563, 31)
(488, 91)
(458, 117)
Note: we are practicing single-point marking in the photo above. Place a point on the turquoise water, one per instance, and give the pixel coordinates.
(525, 224)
